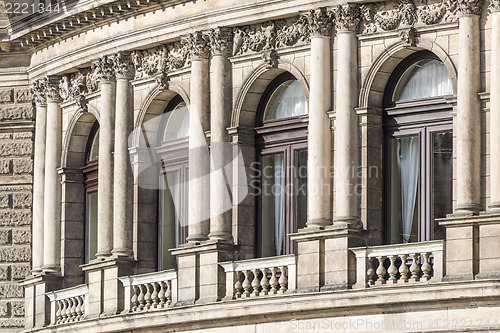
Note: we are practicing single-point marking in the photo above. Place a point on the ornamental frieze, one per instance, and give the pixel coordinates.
(38, 91)
(74, 87)
(495, 5)
(160, 59)
(221, 41)
(347, 18)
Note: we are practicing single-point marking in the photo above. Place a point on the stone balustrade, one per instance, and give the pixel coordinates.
(68, 305)
(150, 291)
(260, 277)
(399, 264)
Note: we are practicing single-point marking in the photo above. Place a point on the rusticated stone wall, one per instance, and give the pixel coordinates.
(16, 168)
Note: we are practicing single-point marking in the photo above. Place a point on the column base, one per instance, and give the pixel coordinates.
(127, 253)
(196, 239)
(493, 208)
(466, 209)
(317, 224)
(221, 236)
(103, 255)
(347, 221)
(51, 270)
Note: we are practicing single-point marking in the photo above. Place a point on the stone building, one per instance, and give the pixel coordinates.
(260, 165)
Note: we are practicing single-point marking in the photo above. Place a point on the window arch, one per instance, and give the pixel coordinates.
(90, 172)
(173, 190)
(418, 149)
(281, 140)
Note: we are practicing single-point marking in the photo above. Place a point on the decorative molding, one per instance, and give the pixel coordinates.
(162, 80)
(103, 68)
(409, 36)
(347, 17)
(160, 59)
(74, 87)
(270, 58)
(123, 65)
(469, 7)
(494, 5)
(38, 88)
(320, 22)
(197, 45)
(221, 41)
(52, 88)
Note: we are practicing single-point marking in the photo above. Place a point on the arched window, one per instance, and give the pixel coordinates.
(418, 149)
(90, 171)
(173, 194)
(282, 153)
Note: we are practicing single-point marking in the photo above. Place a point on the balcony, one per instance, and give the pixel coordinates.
(68, 305)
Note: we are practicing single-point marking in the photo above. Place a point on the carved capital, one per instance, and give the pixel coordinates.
(124, 67)
(38, 88)
(221, 41)
(347, 17)
(495, 5)
(52, 88)
(197, 45)
(469, 7)
(103, 68)
(320, 22)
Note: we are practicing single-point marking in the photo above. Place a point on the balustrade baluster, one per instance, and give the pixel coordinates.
(414, 268)
(64, 311)
(370, 273)
(237, 286)
(161, 295)
(274, 281)
(154, 295)
(169, 292)
(147, 296)
(283, 281)
(265, 282)
(72, 309)
(426, 267)
(256, 282)
(58, 312)
(134, 297)
(381, 271)
(392, 270)
(246, 284)
(140, 298)
(80, 308)
(403, 269)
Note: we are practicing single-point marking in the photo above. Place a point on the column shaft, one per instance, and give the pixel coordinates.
(52, 191)
(105, 176)
(468, 117)
(38, 186)
(199, 157)
(319, 135)
(220, 149)
(346, 130)
(123, 190)
(495, 112)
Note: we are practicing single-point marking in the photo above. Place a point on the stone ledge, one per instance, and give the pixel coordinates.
(203, 247)
(469, 220)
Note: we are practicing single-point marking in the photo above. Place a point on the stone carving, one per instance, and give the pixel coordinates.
(409, 36)
(91, 80)
(221, 41)
(6, 96)
(347, 17)
(469, 7)
(38, 91)
(52, 88)
(18, 112)
(163, 58)
(74, 87)
(124, 67)
(432, 14)
(494, 5)
(23, 96)
(320, 22)
(270, 58)
(292, 32)
(162, 80)
(197, 45)
(104, 68)
(408, 12)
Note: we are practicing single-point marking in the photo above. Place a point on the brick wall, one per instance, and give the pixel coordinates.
(16, 168)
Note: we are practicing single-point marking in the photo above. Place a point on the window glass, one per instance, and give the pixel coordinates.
(170, 199)
(424, 79)
(300, 180)
(91, 225)
(442, 178)
(288, 100)
(94, 147)
(177, 125)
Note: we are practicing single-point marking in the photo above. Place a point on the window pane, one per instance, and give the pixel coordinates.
(177, 125)
(425, 78)
(94, 147)
(273, 205)
(91, 225)
(442, 167)
(288, 100)
(169, 218)
(300, 183)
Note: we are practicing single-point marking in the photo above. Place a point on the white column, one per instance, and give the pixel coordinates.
(123, 181)
(104, 68)
(346, 125)
(199, 157)
(220, 149)
(39, 174)
(495, 106)
(468, 113)
(319, 134)
(52, 190)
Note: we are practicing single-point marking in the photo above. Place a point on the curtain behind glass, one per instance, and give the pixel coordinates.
(408, 167)
(300, 184)
(91, 225)
(442, 164)
(288, 100)
(169, 218)
(94, 147)
(178, 122)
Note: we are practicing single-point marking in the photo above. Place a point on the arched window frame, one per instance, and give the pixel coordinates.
(287, 136)
(423, 118)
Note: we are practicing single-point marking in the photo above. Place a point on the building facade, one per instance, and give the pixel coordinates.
(260, 166)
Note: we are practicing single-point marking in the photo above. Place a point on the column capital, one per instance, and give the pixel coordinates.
(469, 7)
(197, 45)
(52, 88)
(347, 18)
(495, 5)
(103, 68)
(221, 41)
(320, 22)
(123, 65)
(38, 89)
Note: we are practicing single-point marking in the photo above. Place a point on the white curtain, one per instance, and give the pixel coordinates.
(408, 168)
(173, 187)
(279, 203)
(288, 100)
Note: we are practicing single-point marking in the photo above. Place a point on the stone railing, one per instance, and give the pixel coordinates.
(399, 264)
(260, 277)
(150, 291)
(68, 305)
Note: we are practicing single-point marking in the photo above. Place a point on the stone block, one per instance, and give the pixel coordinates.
(6, 96)
(22, 200)
(11, 290)
(20, 272)
(23, 95)
(16, 149)
(15, 254)
(4, 272)
(4, 309)
(15, 218)
(5, 166)
(459, 233)
(21, 236)
(18, 112)
(11, 323)
(459, 249)
(23, 135)
(20, 166)
(5, 237)
(17, 308)
(4, 200)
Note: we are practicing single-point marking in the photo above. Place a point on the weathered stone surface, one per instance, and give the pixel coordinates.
(4, 237)
(17, 308)
(5, 136)
(22, 200)
(23, 96)
(21, 237)
(4, 272)
(6, 96)
(4, 200)
(4, 309)
(22, 166)
(18, 112)
(14, 254)
(4, 166)
(13, 322)
(10, 218)
(16, 149)
(23, 135)
(19, 272)
(10, 290)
